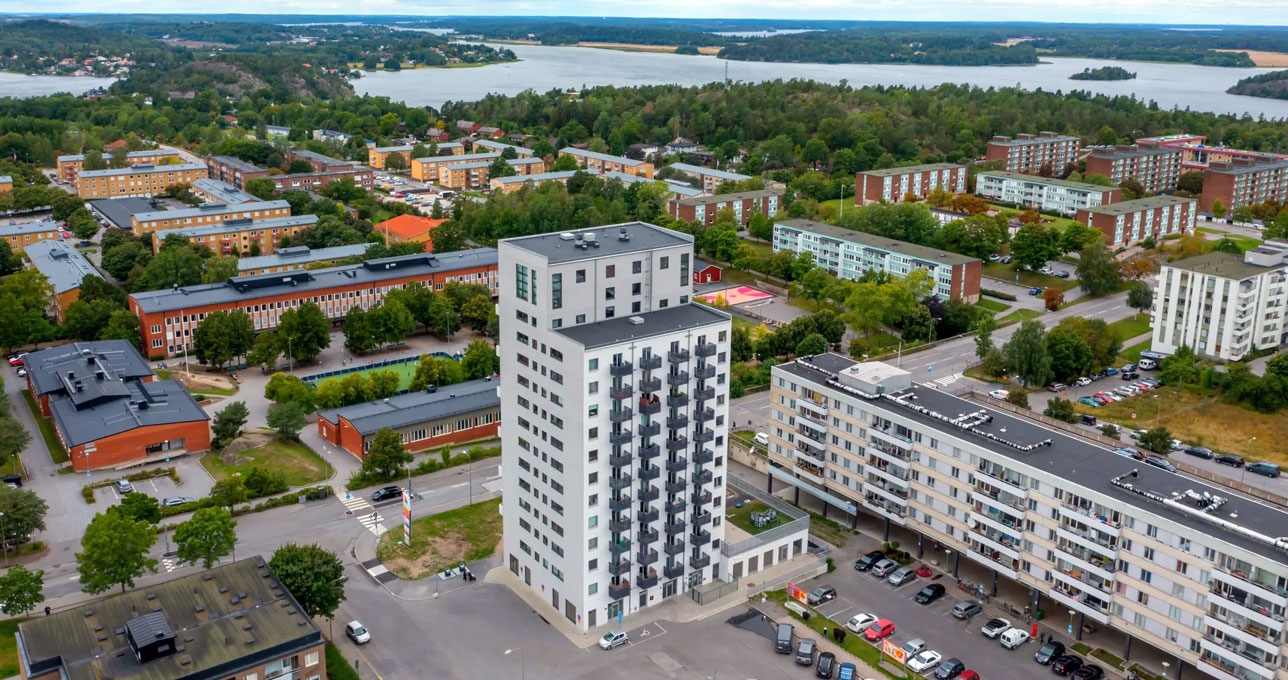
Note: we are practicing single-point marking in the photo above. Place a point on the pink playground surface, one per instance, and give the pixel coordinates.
(736, 295)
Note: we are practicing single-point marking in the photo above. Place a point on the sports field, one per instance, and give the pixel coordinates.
(405, 371)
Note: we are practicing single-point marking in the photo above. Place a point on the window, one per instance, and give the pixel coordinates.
(581, 276)
(556, 291)
(310, 659)
(610, 293)
(637, 266)
(593, 365)
(521, 281)
(664, 263)
(609, 312)
(684, 269)
(610, 271)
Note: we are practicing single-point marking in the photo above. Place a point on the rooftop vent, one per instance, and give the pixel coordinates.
(623, 235)
(635, 320)
(566, 236)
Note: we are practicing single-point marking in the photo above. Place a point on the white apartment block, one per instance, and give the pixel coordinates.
(1188, 568)
(1043, 193)
(614, 428)
(1222, 305)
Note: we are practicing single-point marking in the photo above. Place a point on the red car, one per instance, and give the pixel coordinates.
(881, 629)
(968, 675)
(16, 361)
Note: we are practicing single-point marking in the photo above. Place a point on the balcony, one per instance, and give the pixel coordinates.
(647, 537)
(677, 422)
(619, 525)
(1244, 651)
(650, 408)
(619, 438)
(886, 490)
(648, 385)
(673, 508)
(676, 464)
(700, 499)
(700, 537)
(699, 561)
(649, 430)
(677, 444)
(649, 472)
(1080, 579)
(648, 516)
(620, 545)
(889, 475)
(815, 410)
(1001, 502)
(673, 570)
(1087, 540)
(1237, 628)
(673, 528)
(673, 549)
(646, 557)
(706, 349)
(705, 394)
(1005, 543)
(703, 436)
(649, 451)
(681, 378)
(619, 568)
(993, 558)
(618, 591)
(705, 415)
(704, 372)
(1217, 665)
(620, 482)
(651, 362)
(676, 485)
(1092, 607)
(620, 503)
(677, 400)
(703, 456)
(620, 460)
(646, 581)
(993, 484)
(1238, 574)
(621, 392)
(812, 424)
(620, 369)
(1238, 601)
(1090, 517)
(678, 356)
(889, 437)
(889, 451)
(620, 415)
(703, 477)
(648, 494)
(701, 519)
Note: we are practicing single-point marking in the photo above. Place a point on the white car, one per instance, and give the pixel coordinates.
(1013, 638)
(860, 622)
(999, 394)
(995, 627)
(924, 661)
(761, 438)
(1082, 382)
(612, 639)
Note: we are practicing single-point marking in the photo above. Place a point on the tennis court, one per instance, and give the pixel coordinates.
(736, 295)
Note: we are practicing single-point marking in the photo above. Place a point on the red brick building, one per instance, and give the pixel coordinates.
(1245, 181)
(1155, 166)
(1134, 221)
(168, 318)
(320, 162)
(703, 209)
(426, 419)
(893, 184)
(1031, 154)
(233, 170)
(362, 176)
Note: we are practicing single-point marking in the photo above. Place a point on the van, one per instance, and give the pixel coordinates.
(1088, 419)
(783, 645)
(1147, 365)
(805, 652)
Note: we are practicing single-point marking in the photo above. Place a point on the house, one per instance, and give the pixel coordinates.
(436, 135)
(409, 228)
(336, 136)
(706, 273)
(680, 145)
(467, 127)
(6, 184)
(491, 132)
(113, 146)
(424, 419)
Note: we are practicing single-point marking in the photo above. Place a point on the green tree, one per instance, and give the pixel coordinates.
(114, 551)
(1098, 271)
(1218, 208)
(313, 575)
(811, 345)
(740, 348)
(1018, 398)
(1026, 353)
(385, 457)
(1156, 439)
(20, 590)
(1191, 182)
(209, 535)
(306, 330)
(359, 336)
(14, 438)
(228, 492)
(229, 422)
(139, 506)
(814, 284)
(477, 311)
(265, 351)
(919, 325)
(480, 360)
(1061, 409)
(1182, 368)
(760, 227)
(392, 321)
(443, 319)
(1034, 245)
(262, 188)
(121, 325)
(287, 418)
(24, 514)
(384, 384)
(329, 394)
(984, 335)
(1077, 236)
(1070, 355)
(283, 387)
(1139, 296)
(221, 336)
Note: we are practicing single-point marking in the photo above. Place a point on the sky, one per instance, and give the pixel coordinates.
(1248, 12)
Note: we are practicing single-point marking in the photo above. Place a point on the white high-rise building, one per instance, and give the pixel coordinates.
(614, 423)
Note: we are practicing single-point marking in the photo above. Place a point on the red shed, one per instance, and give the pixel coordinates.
(706, 274)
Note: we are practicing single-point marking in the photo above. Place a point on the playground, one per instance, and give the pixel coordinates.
(735, 295)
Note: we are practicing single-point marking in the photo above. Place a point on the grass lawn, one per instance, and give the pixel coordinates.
(1131, 327)
(1245, 243)
(1131, 354)
(9, 648)
(741, 517)
(443, 540)
(992, 305)
(762, 249)
(338, 667)
(1022, 314)
(880, 343)
(55, 446)
(854, 642)
(293, 459)
(1005, 272)
(406, 371)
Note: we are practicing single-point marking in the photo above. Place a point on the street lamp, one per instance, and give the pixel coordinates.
(1072, 614)
(522, 669)
(1247, 453)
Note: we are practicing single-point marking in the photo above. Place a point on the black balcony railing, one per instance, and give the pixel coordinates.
(705, 350)
(700, 537)
(621, 392)
(677, 400)
(619, 544)
(650, 408)
(705, 415)
(677, 422)
(619, 482)
(649, 472)
(619, 438)
(647, 537)
(704, 477)
(681, 378)
(675, 486)
(620, 460)
(677, 444)
(646, 581)
(678, 356)
(646, 556)
(676, 464)
(704, 372)
(650, 385)
(699, 499)
(703, 456)
(649, 430)
(673, 528)
(620, 415)
(620, 503)
(701, 519)
(705, 394)
(673, 549)
(624, 368)
(619, 525)
(649, 451)
(651, 362)
(648, 517)
(619, 568)
(703, 436)
(673, 570)
(618, 591)
(648, 493)
(699, 561)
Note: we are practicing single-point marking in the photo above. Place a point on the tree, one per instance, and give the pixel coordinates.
(477, 311)
(1156, 439)
(24, 514)
(1191, 182)
(359, 336)
(384, 384)
(391, 322)
(480, 360)
(760, 227)
(1026, 353)
(265, 351)
(228, 492)
(114, 551)
(329, 394)
(1098, 271)
(1109, 430)
(1061, 409)
(385, 456)
(443, 319)
(1077, 236)
(121, 325)
(287, 418)
(1070, 354)
(1018, 398)
(14, 438)
(283, 387)
(1034, 245)
(1132, 189)
(1052, 298)
(207, 536)
(307, 329)
(919, 325)
(313, 575)
(221, 336)
(814, 284)
(984, 335)
(1139, 296)
(1182, 368)
(262, 188)
(20, 590)
(977, 236)
(1218, 208)
(139, 506)
(228, 422)
(740, 348)
(1243, 214)
(813, 344)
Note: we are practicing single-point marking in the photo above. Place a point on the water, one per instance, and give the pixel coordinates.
(1200, 88)
(19, 85)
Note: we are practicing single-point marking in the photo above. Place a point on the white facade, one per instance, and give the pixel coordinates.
(614, 431)
(1221, 305)
(1041, 193)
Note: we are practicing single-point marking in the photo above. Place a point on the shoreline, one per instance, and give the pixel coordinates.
(419, 67)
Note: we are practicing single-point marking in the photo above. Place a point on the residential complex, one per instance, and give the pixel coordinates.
(1190, 569)
(245, 235)
(848, 254)
(107, 409)
(233, 621)
(1131, 222)
(120, 212)
(298, 257)
(710, 177)
(408, 229)
(1197, 155)
(703, 209)
(363, 177)
(1046, 153)
(204, 215)
(1245, 181)
(513, 183)
(378, 156)
(23, 234)
(474, 174)
(69, 167)
(1223, 305)
(604, 163)
(492, 145)
(893, 185)
(616, 422)
(1032, 191)
(320, 162)
(1156, 167)
(137, 180)
(424, 419)
(234, 171)
(167, 318)
(64, 267)
(430, 168)
(219, 191)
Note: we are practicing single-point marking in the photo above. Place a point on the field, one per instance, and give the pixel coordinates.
(993, 305)
(1131, 327)
(406, 371)
(741, 517)
(1245, 243)
(1004, 272)
(1131, 354)
(1022, 314)
(9, 648)
(1264, 59)
(444, 540)
(300, 465)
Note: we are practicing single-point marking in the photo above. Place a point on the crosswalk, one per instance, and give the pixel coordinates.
(945, 381)
(170, 563)
(367, 515)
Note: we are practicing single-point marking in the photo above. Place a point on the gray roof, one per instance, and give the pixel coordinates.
(561, 247)
(279, 129)
(924, 253)
(118, 211)
(224, 192)
(1043, 138)
(501, 146)
(895, 172)
(1217, 263)
(1257, 166)
(237, 163)
(230, 226)
(536, 177)
(142, 168)
(414, 408)
(707, 199)
(1135, 151)
(54, 368)
(29, 228)
(523, 161)
(144, 404)
(1136, 205)
(469, 166)
(393, 149)
(1077, 460)
(209, 209)
(673, 186)
(247, 289)
(146, 153)
(710, 172)
(1036, 179)
(316, 157)
(60, 262)
(464, 158)
(295, 255)
(571, 151)
(6, 179)
(638, 326)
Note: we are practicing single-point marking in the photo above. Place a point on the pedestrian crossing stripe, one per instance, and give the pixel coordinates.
(947, 380)
(170, 563)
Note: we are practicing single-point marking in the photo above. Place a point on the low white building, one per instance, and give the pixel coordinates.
(1043, 193)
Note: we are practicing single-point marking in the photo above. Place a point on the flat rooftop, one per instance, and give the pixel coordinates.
(676, 187)
(22, 228)
(895, 172)
(1137, 151)
(142, 169)
(563, 246)
(299, 255)
(536, 177)
(405, 410)
(144, 404)
(1245, 168)
(571, 151)
(328, 161)
(53, 369)
(1216, 263)
(639, 326)
(463, 158)
(120, 211)
(223, 192)
(924, 253)
(709, 172)
(237, 164)
(500, 146)
(60, 262)
(146, 153)
(1035, 179)
(1040, 138)
(1138, 204)
(210, 209)
(234, 226)
(707, 199)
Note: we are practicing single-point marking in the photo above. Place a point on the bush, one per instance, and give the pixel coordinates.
(831, 566)
(260, 483)
(156, 357)
(1109, 430)
(88, 493)
(429, 464)
(997, 294)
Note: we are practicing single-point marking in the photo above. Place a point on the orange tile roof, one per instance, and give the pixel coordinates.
(408, 226)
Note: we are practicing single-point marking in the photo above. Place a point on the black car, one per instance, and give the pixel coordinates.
(930, 593)
(1200, 451)
(1129, 375)
(1066, 664)
(1049, 652)
(1160, 462)
(949, 669)
(385, 493)
(1229, 459)
(1088, 673)
(826, 665)
(865, 563)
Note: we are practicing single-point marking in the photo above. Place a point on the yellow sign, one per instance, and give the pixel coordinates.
(894, 651)
(796, 593)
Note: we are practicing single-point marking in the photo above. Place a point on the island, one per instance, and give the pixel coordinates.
(1104, 73)
(1272, 85)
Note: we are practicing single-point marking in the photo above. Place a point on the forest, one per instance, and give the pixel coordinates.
(571, 33)
(1104, 73)
(35, 46)
(868, 46)
(1273, 85)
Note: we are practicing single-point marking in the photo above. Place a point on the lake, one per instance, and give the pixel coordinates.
(543, 68)
(20, 85)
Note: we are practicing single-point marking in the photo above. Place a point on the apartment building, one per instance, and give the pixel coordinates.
(602, 162)
(485, 145)
(320, 162)
(69, 167)
(205, 215)
(430, 168)
(892, 185)
(1222, 305)
(235, 620)
(219, 191)
(616, 423)
(710, 177)
(703, 209)
(1196, 154)
(425, 419)
(1156, 167)
(674, 186)
(1044, 153)
(137, 180)
(167, 318)
(474, 175)
(1245, 181)
(233, 170)
(23, 234)
(363, 177)
(1130, 222)
(513, 183)
(848, 254)
(1190, 569)
(1032, 191)
(298, 257)
(377, 156)
(64, 267)
(231, 238)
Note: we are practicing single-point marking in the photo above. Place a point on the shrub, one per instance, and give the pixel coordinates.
(88, 492)
(156, 357)
(997, 294)
(260, 483)
(831, 566)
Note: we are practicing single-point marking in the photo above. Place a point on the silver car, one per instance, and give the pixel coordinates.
(884, 567)
(903, 575)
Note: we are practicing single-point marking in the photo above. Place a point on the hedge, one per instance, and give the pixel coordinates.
(997, 294)
(359, 479)
(87, 491)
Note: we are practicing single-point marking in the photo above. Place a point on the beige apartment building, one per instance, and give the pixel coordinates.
(1186, 567)
(137, 180)
(206, 215)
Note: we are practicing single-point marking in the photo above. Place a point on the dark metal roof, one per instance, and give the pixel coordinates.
(53, 369)
(119, 211)
(639, 326)
(420, 407)
(556, 247)
(126, 406)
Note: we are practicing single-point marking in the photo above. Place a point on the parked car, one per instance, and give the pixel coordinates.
(1129, 375)
(1111, 371)
(859, 622)
(924, 661)
(826, 665)
(820, 595)
(1090, 401)
(805, 652)
(1062, 274)
(385, 493)
(1200, 451)
(1057, 387)
(1148, 364)
(1130, 453)
(783, 639)
(994, 257)
(884, 567)
(949, 669)
(967, 609)
(867, 561)
(1263, 468)
(1035, 291)
(1049, 652)
(968, 675)
(903, 575)
(848, 671)
(173, 501)
(999, 394)
(1066, 664)
(1160, 462)
(879, 630)
(1229, 459)
(1088, 673)
(1088, 420)
(761, 438)
(357, 632)
(1082, 382)
(914, 646)
(614, 638)
(1013, 638)
(16, 360)
(930, 593)
(1047, 270)
(994, 627)
(22, 373)
(123, 486)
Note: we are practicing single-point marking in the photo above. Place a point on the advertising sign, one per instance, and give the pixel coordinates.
(894, 651)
